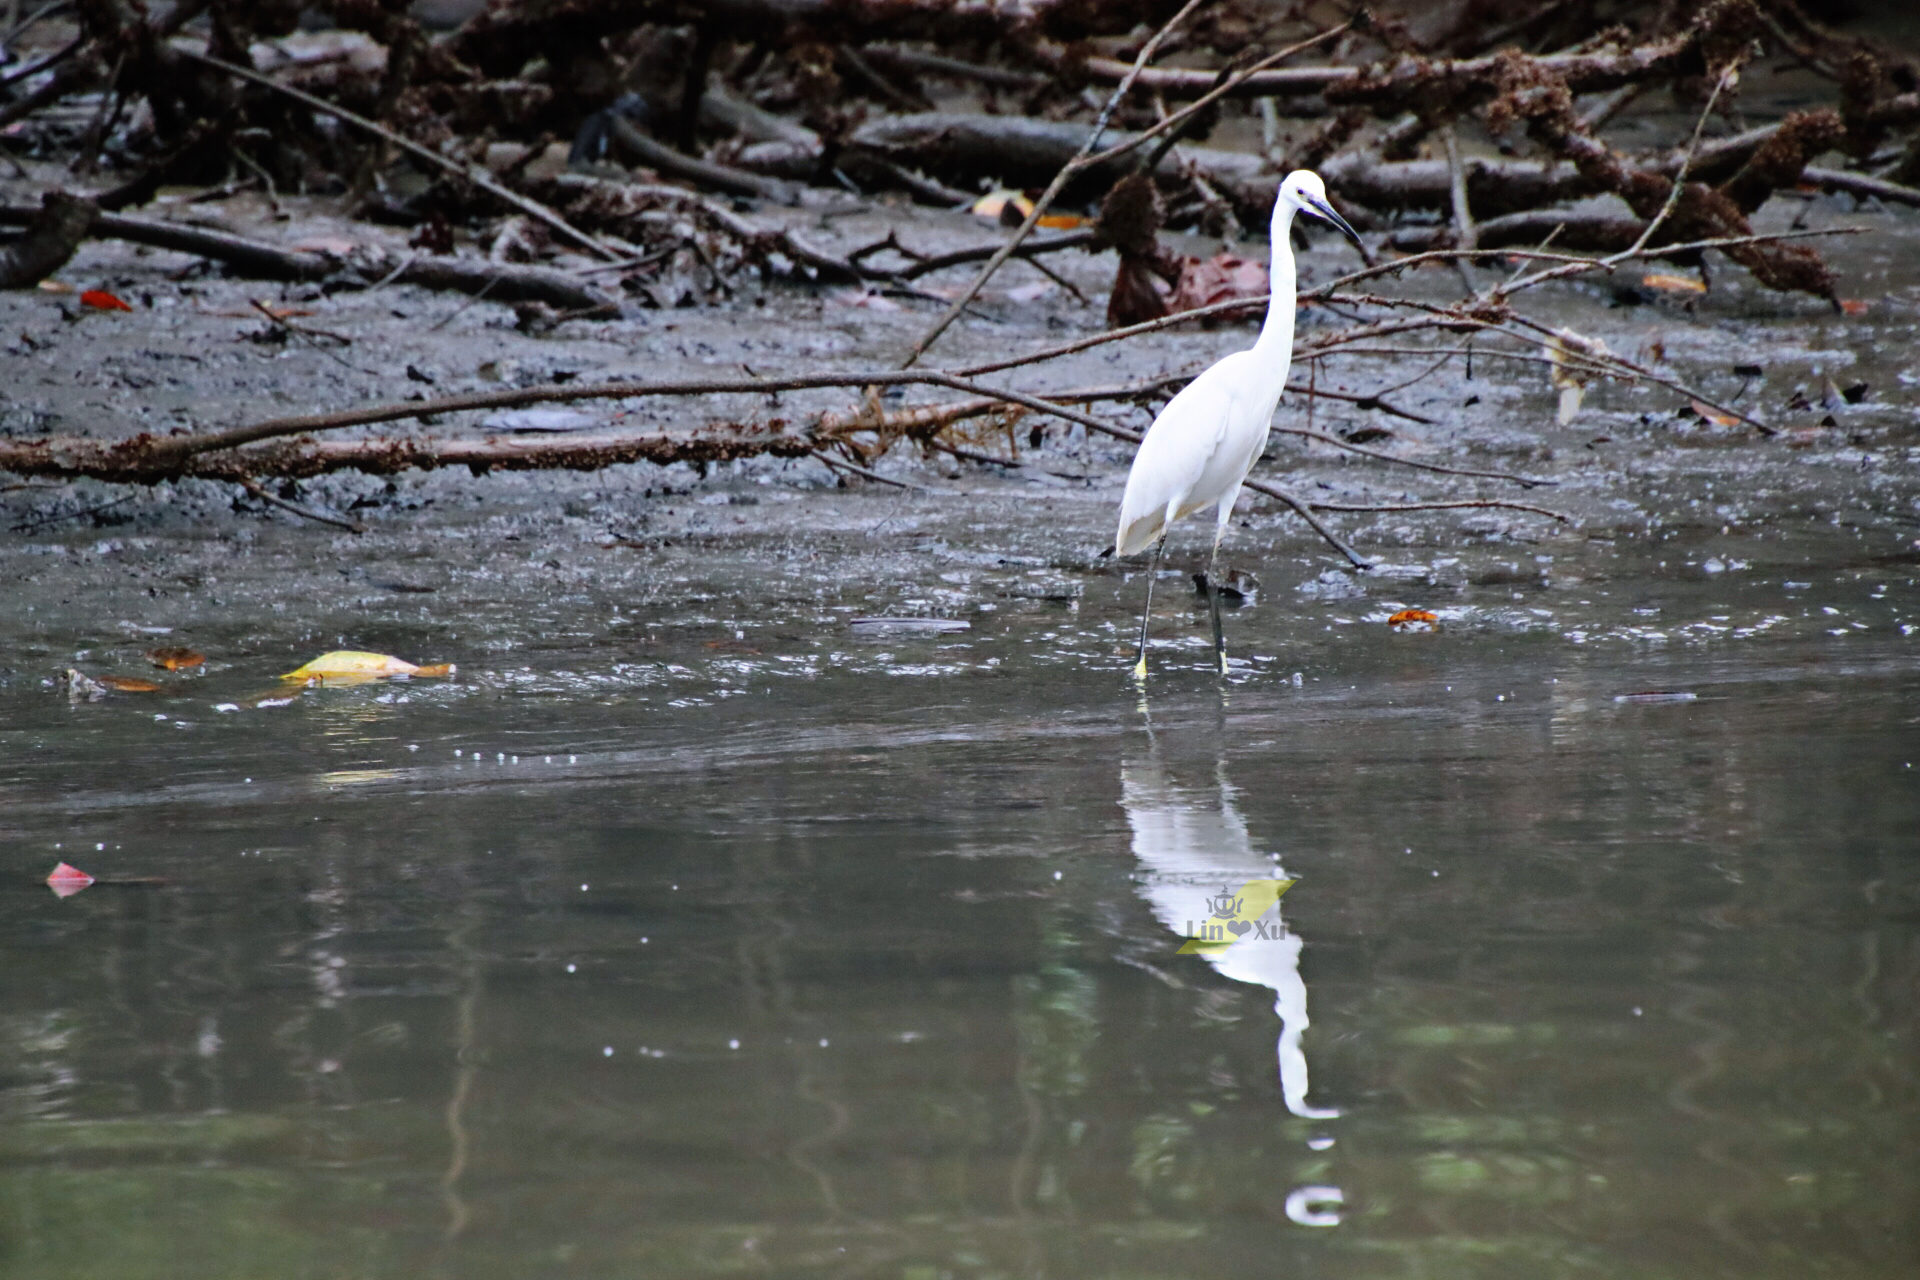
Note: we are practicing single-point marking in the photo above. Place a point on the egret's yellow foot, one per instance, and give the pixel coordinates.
(1140, 669)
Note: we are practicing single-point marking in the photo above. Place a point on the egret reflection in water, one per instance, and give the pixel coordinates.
(1192, 844)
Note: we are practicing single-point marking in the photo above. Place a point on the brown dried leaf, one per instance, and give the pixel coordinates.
(174, 658)
(1221, 278)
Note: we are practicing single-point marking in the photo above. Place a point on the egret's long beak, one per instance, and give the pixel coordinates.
(1323, 211)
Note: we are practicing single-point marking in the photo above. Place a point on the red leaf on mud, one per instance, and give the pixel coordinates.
(101, 300)
(67, 881)
(1855, 306)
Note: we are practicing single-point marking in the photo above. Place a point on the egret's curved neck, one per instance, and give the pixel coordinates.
(1276, 335)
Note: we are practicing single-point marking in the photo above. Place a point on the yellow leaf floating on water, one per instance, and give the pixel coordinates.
(351, 666)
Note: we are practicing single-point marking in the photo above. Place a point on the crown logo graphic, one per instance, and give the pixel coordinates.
(1226, 904)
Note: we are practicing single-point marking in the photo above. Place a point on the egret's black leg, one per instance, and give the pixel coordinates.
(1213, 603)
(1146, 610)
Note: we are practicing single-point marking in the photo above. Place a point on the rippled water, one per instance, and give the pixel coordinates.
(860, 956)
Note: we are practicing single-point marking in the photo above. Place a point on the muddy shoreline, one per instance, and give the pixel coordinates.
(455, 566)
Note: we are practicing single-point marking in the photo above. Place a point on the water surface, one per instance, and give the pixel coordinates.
(874, 974)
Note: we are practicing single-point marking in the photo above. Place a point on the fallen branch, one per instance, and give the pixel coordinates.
(505, 282)
(502, 38)
(244, 453)
(70, 78)
(1410, 82)
(960, 257)
(1862, 185)
(720, 177)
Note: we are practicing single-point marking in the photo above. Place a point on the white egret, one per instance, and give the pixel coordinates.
(1198, 451)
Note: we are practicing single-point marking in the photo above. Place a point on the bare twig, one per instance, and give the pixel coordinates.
(1321, 436)
(1305, 512)
(33, 69)
(301, 331)
(261, 492)
(1465, 236)
(28, 526)
(841, 464)
(1693, 149)
(1441, 506)
(960, 257)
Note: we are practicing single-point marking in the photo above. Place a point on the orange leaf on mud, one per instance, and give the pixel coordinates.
(1855, 306)
(67, 881)
(1414, 620)
(1061, 221)
(129, 684)
(101, 300)
(174, 658)
(1673, 284)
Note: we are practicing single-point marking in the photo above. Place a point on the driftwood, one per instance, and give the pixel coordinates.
(796, 92)
(511, 31)
(502, 282)
(720, 177)
(428, 90)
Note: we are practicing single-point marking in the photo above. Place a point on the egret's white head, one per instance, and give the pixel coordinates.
(1302, 192)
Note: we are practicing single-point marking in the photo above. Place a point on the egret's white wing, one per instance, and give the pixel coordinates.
(1174, 456)
(1245, 425)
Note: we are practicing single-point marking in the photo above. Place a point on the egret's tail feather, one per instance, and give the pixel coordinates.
(1142, 533)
